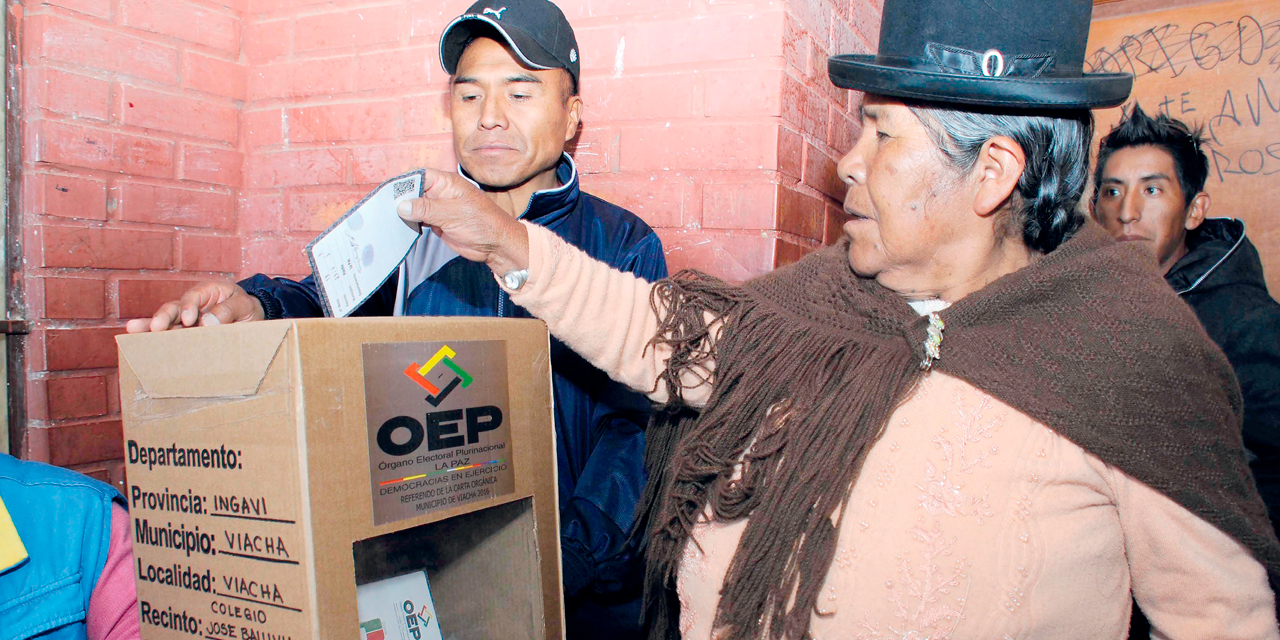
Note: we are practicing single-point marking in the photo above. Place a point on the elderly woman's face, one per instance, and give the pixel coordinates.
(903, 197)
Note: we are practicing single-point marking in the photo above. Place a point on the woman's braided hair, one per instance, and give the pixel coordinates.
(1046, 202)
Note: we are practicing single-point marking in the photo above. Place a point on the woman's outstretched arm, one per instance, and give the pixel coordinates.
(603, 314)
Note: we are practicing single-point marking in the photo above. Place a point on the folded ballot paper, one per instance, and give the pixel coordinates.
(398, 608)
(357, 253)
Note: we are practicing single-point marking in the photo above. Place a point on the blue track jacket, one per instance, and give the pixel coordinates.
(599, 423)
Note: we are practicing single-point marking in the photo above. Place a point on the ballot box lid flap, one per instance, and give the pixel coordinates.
(203, 362)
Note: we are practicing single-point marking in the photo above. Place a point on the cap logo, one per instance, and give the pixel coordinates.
(497, 13)
(573, 55)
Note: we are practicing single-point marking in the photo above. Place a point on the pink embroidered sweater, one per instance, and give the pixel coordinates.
(969, 519)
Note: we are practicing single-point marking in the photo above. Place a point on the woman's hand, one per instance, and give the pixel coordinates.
(469, 222)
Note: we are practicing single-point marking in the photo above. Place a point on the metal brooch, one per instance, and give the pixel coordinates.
(933, 343)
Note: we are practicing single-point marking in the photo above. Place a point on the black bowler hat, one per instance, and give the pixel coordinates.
(536, 30)
(1017, 54)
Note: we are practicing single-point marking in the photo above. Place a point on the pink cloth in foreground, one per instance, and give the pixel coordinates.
(113, 606)
(969, 520)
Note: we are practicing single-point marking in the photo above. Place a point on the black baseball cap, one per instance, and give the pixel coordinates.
(536, 30)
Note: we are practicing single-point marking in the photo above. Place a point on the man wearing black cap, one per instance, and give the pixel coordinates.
(514, 104)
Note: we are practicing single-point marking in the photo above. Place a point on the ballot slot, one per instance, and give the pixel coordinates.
(481, 578)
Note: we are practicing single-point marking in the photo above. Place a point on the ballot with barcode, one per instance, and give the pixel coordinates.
(360, 250)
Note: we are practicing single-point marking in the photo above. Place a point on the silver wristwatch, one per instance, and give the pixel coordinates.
(515, 279)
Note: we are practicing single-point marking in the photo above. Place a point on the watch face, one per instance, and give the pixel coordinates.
(515, 279)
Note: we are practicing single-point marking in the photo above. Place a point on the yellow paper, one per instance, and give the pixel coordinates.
(11, 550)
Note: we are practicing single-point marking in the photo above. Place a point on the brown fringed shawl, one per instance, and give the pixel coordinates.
(813, 360)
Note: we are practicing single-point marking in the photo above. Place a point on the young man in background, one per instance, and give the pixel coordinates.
(1149, 188)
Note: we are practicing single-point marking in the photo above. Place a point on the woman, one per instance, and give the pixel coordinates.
(974, 418)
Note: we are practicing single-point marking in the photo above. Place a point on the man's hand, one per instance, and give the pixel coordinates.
(469, 222)
(208, 303)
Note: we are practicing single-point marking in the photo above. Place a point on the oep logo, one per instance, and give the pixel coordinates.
(414, 622)
(419, 375)
(441, 427)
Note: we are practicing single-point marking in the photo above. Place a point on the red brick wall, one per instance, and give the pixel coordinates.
(131, 163)
(681, 123)
(167, 141)
(714, 122)
(818, 121)
(341, 96)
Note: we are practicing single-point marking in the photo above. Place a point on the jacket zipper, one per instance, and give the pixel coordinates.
(1217, 264)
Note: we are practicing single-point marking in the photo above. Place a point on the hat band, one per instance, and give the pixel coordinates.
(991, 64)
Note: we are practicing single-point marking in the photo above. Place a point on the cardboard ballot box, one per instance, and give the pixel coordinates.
(289, 478)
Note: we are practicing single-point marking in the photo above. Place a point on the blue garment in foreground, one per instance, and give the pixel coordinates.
(599, 423)
(64, 520)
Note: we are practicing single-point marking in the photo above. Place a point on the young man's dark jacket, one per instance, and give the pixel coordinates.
(1221, 278)
(599, 423)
